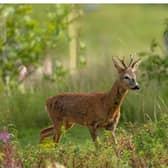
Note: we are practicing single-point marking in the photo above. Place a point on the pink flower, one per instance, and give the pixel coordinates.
(4, 136)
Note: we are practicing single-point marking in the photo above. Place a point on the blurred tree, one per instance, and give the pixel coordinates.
(74, 29)
(155, 60)
(21, 40)
(24, 41)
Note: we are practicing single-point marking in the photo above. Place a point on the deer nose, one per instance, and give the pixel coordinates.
(136, 87)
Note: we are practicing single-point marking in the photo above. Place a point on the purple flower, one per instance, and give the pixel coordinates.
(4, 136)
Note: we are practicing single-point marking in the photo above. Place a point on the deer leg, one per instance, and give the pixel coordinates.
(57, 130)
(68, 125)
(112, 127)
(93, 134)
(114, 138)
(46, 133)
(113, 132)
(115, 122)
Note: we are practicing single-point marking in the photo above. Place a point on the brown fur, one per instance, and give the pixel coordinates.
(93, 110)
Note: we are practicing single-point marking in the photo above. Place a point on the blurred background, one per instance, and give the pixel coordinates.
(49, 49)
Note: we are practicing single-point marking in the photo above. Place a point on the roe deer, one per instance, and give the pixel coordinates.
(93, 110)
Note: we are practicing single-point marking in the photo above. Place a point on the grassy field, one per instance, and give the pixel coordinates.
(123, 29)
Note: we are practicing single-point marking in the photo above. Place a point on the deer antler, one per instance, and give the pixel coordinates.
(131, 60)
(135, 62)
(122, 62)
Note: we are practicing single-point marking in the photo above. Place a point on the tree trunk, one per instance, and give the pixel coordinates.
(74, 37)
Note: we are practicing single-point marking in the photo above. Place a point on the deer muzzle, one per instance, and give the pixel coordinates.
(136, 87)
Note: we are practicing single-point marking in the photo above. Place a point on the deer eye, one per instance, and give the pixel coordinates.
(126, 77)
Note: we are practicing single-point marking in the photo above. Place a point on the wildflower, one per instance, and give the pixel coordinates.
(4, 136)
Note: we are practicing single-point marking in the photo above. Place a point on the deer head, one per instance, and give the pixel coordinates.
(127, 76)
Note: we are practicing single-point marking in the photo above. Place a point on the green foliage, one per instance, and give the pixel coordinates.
(151, 142)
(156, 66)
(138, 146)
(156, 60)
(57, 25)
(24, 40)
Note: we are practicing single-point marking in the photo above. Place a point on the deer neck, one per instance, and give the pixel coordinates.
(115, 97)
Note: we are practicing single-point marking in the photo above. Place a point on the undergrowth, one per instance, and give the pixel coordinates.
(139, 146)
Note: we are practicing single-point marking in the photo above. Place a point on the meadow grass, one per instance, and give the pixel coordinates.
(123, 29)
(139, 146)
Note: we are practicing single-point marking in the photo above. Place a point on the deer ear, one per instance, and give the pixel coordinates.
(117, 66)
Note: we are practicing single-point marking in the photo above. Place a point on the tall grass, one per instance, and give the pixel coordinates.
(28, 109)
